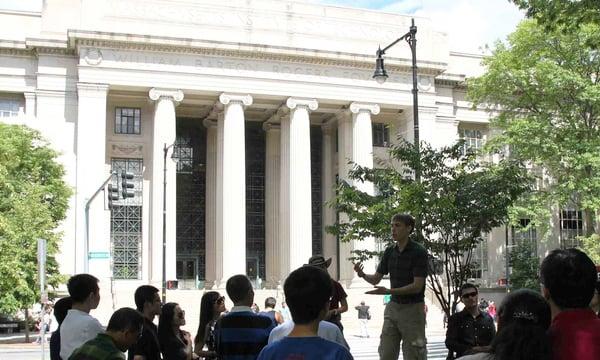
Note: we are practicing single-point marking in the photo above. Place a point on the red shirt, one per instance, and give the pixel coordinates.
(575, 334)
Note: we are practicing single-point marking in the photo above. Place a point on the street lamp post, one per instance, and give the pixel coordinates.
(381, 76)
(164, 218)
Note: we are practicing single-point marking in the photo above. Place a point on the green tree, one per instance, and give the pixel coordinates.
(525, 266)
(561, 13)
(543, 90)
(457, 201)
(591, 246)
(33, 201)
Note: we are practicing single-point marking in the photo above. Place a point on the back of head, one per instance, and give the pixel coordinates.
(270, 302)
(524, 318)
(307, 290)
(61, 307)
(569, 275)
(80, 287)
(238, 288)
(144, 294)
(125, 319)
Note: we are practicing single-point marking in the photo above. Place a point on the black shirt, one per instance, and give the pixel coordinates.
(403, 267)
(464, 332)
(148, 345)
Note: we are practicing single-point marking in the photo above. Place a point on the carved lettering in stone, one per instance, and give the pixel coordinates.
(127, 149)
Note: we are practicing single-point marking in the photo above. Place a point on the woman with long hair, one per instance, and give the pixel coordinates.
(523, 320)
(211, 307)
(175, 344)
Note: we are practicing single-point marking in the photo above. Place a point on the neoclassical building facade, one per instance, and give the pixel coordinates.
(263, 104)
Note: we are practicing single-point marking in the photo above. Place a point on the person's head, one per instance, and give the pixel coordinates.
(147, 300)
(83, 289)
(469, 295)
(307, 292)
(568, 278)
(523, 320)
(270, 302)
(402, 226)
(171, 318)
(212, 305)
(319, 261)
(239, 289)
(61, 308)
(362, 302)
(125, 327)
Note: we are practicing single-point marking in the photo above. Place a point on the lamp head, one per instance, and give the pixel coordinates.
(380, 74)
(175, 155)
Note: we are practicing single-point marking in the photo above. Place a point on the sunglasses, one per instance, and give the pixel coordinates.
(468, 295)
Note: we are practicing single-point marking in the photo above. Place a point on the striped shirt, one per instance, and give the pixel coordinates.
(242, 334)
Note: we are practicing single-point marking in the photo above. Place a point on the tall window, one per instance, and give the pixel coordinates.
(479, 259)
(525, 234)
(126, 224)
(473, 139)
(127, 120)
(571, 226)
(381, 135)
(9, 107)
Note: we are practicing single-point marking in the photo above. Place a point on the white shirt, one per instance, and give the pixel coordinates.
(77, 328)
(327, 331)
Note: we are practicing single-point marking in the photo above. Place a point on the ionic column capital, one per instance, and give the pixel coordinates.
(309, 104)
(90, 89)
(173, 95)
(209, 123)
(226, 99)
(356, 107)
(269, 126)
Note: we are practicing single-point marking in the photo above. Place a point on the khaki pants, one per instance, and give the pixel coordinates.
(403, 323)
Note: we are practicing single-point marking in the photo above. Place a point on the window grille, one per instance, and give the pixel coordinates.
(126, 224)
(523, 234)
(9, 108)
(127, 121)
(571, 226)
(473, 140)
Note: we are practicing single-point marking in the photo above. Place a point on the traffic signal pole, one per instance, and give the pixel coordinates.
(86, 243)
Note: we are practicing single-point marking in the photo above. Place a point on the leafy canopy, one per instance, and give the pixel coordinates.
(544, 89)
(33, 201)
(561, 13)
(458, 200)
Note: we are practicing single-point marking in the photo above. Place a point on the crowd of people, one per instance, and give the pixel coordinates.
(559, 323)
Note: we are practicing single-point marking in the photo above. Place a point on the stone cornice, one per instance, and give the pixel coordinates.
(79, 39)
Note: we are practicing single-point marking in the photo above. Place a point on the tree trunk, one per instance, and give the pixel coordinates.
(27, 325)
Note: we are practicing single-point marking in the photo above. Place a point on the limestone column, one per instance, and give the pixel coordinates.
(210, 198)
(344, 123)
(295, 182)
(30, 105)
(328, 180)
(362, 155)
(91, 172)
(163, 136)
(233, 191)
(272, 176)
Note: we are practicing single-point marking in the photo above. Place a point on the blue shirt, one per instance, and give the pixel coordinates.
(241, 335)
(304, 348)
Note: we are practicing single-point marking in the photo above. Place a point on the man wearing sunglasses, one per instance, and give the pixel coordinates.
(470, 330)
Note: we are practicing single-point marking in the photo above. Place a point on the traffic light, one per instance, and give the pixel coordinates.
(113, 194)
(127, 185)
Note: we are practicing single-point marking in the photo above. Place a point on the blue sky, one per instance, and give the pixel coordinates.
(470, 24)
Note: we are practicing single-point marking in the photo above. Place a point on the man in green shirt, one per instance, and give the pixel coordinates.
(124, 329)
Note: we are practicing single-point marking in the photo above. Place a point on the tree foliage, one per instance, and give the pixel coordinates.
(543, 88)
(591, 246)
(33, 201)
(525, 267)
(458, 200)
(561, 13)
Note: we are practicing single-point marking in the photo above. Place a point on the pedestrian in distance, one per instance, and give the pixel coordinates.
(175, 344)
(124, 329)
(60, 312)
(470, 330)
(404, 317)
(568, 279)
(338, 303)
(523, 321)
(363, 318)
(270, 311)
(79, 326)
(212, 305)
(307, 291)
(148, 303)
(241, 333)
